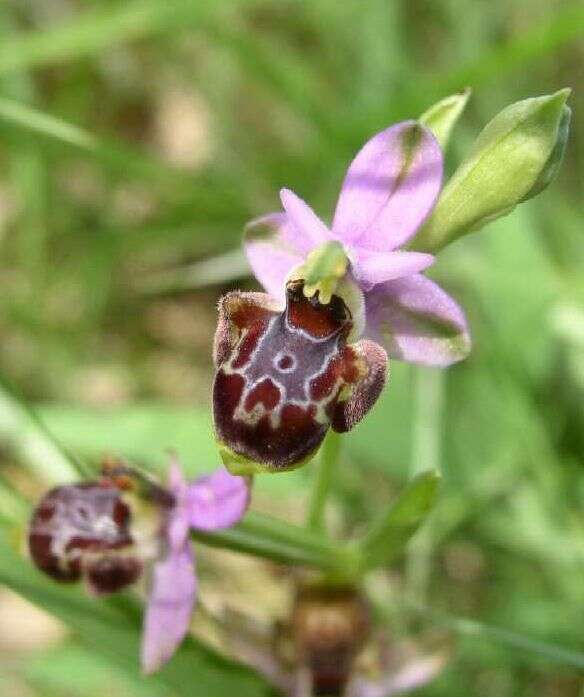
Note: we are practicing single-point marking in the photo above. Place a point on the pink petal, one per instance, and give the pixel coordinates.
(178, 525)
(307, 224)
(169, 610)
(372, 268)
(273, 248)
(176, 480)
(390, 188)
(218, 500)
(417, 672)
(417, 321)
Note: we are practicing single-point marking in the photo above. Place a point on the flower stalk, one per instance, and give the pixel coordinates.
(268, 538)
(426, 453)
(327, 462)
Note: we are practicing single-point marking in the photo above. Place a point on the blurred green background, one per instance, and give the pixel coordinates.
(138, 137)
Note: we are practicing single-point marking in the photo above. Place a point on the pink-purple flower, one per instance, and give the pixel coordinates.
(212, 502)
(110, 531)
(389, 191)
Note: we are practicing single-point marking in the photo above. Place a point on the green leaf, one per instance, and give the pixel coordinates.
(72, 669)
(388, 538)
(483, 632)
(144, 433)
(441, 117)
(509, 160)
(94, 31)
(270, 538)
(21, 430)
(220, 269)
(14, 508)
(110, 152)
(113, 628)
(326, 466)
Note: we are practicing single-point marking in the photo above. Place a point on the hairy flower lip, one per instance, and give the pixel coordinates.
(273, 418)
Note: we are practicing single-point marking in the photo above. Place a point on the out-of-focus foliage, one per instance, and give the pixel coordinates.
(137, 138)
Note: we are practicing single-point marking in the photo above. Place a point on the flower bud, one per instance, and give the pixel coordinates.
(515, 157)
(93, 531)
(441, 117)
(330, 625)
(554, 161)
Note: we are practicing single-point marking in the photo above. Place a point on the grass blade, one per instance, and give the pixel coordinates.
(92, 32)
(388, 538)
(22, 430)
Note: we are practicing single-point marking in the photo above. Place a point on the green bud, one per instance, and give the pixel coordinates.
(515, 157)
(552, 166)
(441, 117)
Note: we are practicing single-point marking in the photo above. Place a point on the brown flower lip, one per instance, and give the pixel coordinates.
(87, 530)
(285, 376)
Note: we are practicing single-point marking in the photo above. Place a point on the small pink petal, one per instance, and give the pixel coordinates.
(273, 248)
(176, 480)
(416, 673)
(177, 527)
(372, 268)
(218, 500)
(417, 321)
(169, 609)
(390, 188)
(304, 219)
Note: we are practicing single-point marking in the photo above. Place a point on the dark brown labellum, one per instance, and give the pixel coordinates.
(284, 377)
(330, 626)
(108, 574)
(86, 531)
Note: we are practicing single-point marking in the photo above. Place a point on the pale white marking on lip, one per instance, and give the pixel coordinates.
(282, 356)
(252, 417)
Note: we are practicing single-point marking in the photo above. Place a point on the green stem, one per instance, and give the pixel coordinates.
(266, 537)
(426, 446)
(327, 461)
(472, 629)
(283, 531)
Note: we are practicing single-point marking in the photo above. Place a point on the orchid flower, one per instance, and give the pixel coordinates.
(283, 377)
(108, 532)
(332, 647)
(287, 374)
(389, 190)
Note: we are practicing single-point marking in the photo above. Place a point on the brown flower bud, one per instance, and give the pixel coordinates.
(89, 530)
(330, 625)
